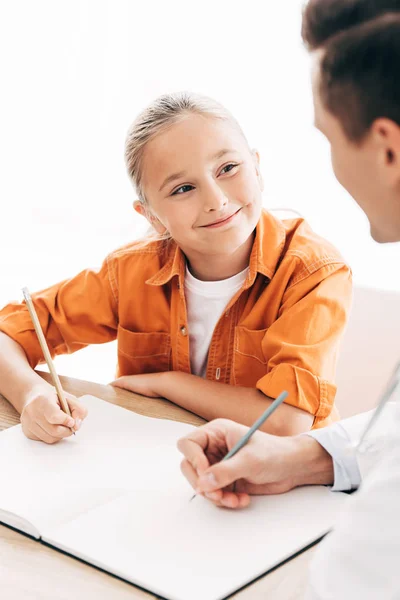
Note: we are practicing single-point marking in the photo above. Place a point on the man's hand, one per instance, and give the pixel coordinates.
(268, 464)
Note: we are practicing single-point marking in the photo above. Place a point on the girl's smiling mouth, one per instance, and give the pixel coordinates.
(223, 221)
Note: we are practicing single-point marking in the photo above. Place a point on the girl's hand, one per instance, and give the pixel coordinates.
(144, 384)
(267, 464)
(42, 418)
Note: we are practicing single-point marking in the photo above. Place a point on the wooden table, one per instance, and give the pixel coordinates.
(32, 571)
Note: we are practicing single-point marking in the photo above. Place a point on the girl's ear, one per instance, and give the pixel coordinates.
(143, 210)
(139, 208)
(256, 157)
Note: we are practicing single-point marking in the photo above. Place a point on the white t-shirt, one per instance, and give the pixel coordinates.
(206, 301)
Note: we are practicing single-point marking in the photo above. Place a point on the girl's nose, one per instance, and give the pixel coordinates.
(214, 198)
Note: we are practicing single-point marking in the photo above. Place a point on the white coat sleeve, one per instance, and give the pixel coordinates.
(349, 468)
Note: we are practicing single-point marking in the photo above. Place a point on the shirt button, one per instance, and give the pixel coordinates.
(183, 331)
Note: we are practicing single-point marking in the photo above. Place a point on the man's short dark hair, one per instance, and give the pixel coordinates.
(323, 19)
(360, 62)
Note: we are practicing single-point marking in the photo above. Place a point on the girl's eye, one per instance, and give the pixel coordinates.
(228, 168)
(182, 190)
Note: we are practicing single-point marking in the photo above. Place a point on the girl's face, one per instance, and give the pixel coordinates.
(203, 186)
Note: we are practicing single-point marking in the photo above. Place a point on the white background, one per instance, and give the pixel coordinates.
(74, 74)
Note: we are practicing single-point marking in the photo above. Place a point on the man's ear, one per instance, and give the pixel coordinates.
(256, 158)
(142, 209)
(386, 134)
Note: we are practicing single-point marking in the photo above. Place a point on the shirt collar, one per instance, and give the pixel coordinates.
(267, 248)
(174, 265)
(264, 257)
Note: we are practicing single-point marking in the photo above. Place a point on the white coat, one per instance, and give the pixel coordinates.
(360, 558)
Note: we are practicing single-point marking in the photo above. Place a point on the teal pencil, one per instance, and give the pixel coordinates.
(243, 441)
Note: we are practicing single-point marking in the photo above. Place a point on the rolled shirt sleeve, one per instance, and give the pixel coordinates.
(302, 344)
(73, 314)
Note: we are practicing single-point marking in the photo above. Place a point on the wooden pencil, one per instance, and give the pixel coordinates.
(46, 351)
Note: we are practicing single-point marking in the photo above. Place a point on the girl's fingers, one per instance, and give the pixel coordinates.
(32, 436)
(42, 417)
(55, 431)
(40, 434)
(78, 411)
(126, 382)
(55, 416)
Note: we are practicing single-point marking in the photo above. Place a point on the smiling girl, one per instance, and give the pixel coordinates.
(219, 311)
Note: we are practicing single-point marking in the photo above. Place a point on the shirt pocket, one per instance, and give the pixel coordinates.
(143, 352)
(249, 361)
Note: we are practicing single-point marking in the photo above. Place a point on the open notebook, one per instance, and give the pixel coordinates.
(113, 495)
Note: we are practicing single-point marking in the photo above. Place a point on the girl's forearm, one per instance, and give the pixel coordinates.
(212, 400)
(17, 378)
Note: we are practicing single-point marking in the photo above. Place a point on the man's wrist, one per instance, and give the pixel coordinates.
(314, 465)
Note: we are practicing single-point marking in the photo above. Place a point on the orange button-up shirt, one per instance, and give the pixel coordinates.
(280, 331)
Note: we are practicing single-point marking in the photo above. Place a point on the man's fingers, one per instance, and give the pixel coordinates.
(223, 474)
(233, 500)
(221, 498)
(225, 499)
(198, 436)
(192, 478)
(215, 496)
(189, 473)
(192, 447)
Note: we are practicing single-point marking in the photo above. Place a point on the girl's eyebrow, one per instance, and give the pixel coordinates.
(222, 153)
(171, 178)
(174, 176)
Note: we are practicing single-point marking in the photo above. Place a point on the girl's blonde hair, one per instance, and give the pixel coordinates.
(161, 114)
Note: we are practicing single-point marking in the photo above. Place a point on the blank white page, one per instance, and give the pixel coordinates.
(185, 550)
(114, 496)
(115, 450)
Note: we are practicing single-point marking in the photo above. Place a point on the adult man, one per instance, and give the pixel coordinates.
(356, 88)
